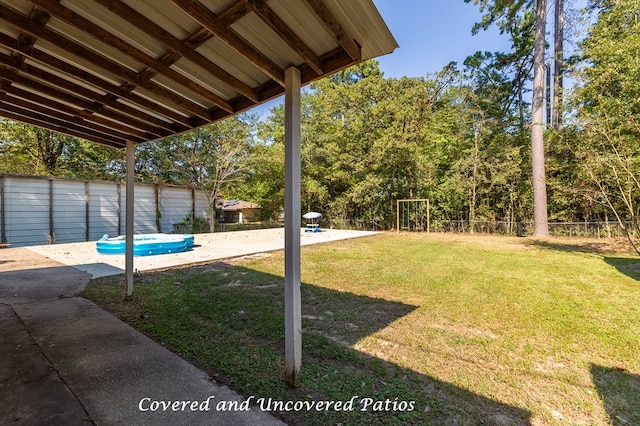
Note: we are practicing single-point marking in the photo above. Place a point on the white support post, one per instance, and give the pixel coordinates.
(292, 300)
(128, 248)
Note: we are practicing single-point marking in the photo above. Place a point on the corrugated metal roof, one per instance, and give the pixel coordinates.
(148, 69)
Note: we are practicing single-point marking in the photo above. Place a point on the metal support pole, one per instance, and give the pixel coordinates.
(119, 190)
(3, 210)
(292, 310)
(128, 248)
(52, 229)
(87, 212)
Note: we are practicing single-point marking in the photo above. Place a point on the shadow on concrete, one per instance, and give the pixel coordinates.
(229, 320)
(41, 283)
(27, 276)
(620, 392)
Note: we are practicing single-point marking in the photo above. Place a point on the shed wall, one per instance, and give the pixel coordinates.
(36, 210)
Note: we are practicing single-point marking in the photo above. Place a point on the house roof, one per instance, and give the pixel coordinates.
(113, 71)
(237, 205)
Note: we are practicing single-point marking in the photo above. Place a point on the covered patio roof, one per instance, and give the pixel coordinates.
(125, 72)
(118, 71)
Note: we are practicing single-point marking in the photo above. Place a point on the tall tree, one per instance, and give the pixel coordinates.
(517, 19)
(609, 109)
(502, 13)
(540, 214)
(208, 158)
(558, 65)
(39, 150)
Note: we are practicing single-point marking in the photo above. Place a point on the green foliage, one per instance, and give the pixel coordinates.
(458, 137)
(29, 150)
(192, 225)
(368, 140)
(605, 140)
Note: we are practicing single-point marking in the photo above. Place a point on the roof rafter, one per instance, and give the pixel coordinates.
(124, 92)
(333, 25)
(106, 64)
(142, 70)
(154, 30)
(102, 35)
(265, 13)
(233, 13)
(210, 21)
(19, 65)
(88, 116)
(69, 98)
(82, 124)
(16, 113)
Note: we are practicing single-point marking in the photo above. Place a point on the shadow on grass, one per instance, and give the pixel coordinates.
(628, 266)
(578, 245)
(229, 321)
(620, 393)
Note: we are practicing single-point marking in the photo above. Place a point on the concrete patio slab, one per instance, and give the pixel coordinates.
(208, 247)
(116, 373)
(26, 276)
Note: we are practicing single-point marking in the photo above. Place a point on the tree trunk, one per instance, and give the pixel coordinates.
(540, 218)
(474, 182)
(547, 69)
(556, 115)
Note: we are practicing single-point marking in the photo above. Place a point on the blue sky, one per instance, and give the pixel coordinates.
(432, 33)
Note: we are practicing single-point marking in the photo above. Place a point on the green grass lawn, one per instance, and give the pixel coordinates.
(469, 329)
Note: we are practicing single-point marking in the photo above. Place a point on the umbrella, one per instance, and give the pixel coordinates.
(311, 215)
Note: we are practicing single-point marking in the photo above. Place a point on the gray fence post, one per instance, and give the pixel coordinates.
(3, 210)
(119, 208)
(52, 231)
(86, 210)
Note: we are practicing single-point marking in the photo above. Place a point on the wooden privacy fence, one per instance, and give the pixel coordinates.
(40, 210)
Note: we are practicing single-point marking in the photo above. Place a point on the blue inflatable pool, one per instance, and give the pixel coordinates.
(146, 244)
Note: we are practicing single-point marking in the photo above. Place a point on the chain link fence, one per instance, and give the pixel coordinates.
(521, 229)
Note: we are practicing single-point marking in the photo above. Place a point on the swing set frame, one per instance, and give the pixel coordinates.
(413, 215)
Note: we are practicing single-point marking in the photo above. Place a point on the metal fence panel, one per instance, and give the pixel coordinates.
(175, 204)
(103, 210)
(202, 204)
(39, 210)
(27, 211)
(69, 210)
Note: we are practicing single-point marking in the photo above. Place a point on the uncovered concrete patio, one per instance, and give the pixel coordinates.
(208, 247)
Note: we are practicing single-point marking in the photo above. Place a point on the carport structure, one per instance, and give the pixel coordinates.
(125, 72)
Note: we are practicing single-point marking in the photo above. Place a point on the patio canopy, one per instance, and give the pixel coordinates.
(124, 72)
(113, 71)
